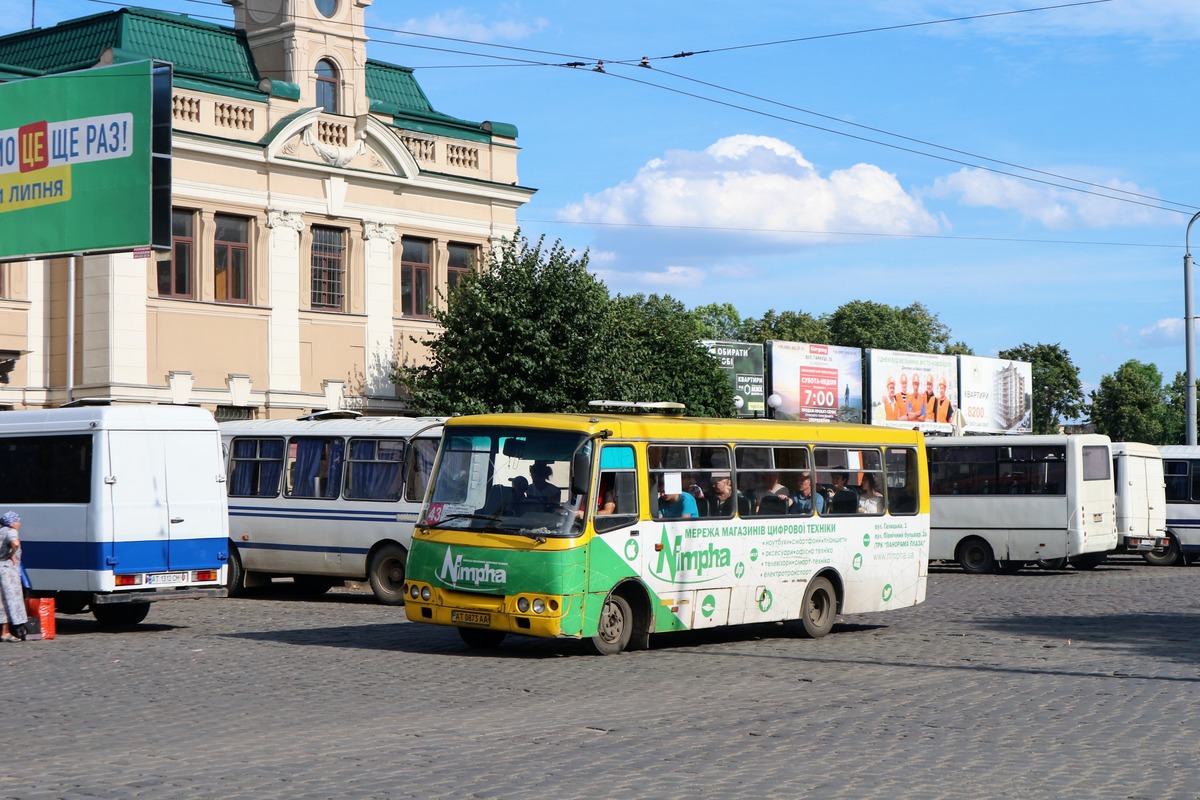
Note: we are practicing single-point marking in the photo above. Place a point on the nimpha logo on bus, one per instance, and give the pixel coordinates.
(673, 559)
(469, 573)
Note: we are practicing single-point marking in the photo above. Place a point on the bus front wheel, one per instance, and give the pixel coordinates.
(1166, 556)
(975, 557)
(386, 574)
(819, 609)
(615, 627)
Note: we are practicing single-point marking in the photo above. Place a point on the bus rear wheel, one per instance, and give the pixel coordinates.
(1166, 556)
(819, 608)
(615, 627)
(120, 615)
(386, 574)
(236, 581)
(975, 557)
(480, 638)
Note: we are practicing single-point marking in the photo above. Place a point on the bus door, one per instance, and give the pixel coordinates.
(1095, 506)
(166, 510)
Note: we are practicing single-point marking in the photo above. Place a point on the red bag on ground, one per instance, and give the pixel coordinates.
(42, 610)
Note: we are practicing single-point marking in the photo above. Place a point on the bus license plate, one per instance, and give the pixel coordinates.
(167, 577)
(471, 618)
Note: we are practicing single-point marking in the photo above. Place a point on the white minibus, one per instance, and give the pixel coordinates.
(1141, 498)
(1000, 502)
(120, 505)
(326, 498)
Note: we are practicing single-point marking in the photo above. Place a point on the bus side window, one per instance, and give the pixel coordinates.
(420, 465)
(617, 483)
(901, 477)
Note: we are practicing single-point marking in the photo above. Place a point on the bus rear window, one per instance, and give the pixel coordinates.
(1097, 464)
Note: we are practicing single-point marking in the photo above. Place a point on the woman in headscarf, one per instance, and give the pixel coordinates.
(12, 599)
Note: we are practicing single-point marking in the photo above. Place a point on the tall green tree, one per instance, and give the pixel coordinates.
(787, 326)
(656, 356)
(1057, 391)
(1131, 404)
(1176, 419)
(866, 324)
(719, 321)
(521, 334)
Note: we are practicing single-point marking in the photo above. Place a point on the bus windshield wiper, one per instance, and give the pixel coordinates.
(473, 515)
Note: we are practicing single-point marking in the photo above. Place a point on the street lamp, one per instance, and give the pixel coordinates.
(1189, 335)
(774, 402)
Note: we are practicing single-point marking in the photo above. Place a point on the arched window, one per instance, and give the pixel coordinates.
(327, 86)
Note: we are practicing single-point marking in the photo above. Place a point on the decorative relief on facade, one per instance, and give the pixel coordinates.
(334, 155)
(380, 230)
(228, 115)
(459, 156)
(185, 109)
(421, 149)
(285, 219)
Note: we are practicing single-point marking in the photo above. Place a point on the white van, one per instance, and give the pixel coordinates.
(1141, 498)
(119, 505)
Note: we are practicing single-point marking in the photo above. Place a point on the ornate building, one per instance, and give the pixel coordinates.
(321, 208)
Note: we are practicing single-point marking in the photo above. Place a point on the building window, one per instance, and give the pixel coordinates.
(327, 86)
(328, 268)
(175, 274)
(462, 261)
(231, 259)
(415, 263)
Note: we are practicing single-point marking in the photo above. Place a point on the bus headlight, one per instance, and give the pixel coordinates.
(539, 605)
(426, 594)
(522, 605)
(414, 592)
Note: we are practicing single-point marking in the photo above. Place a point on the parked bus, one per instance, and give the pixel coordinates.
(326, 498)
(120, 505)
(1000, 502)
(1181, 472)
(555, 525)
(1141, 498)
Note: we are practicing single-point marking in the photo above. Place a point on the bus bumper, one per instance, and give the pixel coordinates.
(510, 614)
(1144, 544)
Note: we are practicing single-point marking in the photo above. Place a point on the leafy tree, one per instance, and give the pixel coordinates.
(656, 356)
(719, 321)
(520, 335)
(1057, 391)
(866, 324)
(788, 326)
(1131, 404)
(1176, 417)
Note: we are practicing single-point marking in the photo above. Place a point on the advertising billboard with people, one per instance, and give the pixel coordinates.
(913, 390)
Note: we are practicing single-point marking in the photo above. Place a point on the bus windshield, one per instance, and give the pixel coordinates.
(522, 481)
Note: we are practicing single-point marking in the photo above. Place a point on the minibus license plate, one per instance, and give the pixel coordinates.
(470, 618)
(167, 577)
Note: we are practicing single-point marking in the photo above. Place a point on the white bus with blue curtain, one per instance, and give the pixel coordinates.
(326, 498)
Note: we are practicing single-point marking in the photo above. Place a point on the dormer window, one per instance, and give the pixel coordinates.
(327, 86)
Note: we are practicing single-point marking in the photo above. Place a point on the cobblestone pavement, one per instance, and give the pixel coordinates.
(1037, 685)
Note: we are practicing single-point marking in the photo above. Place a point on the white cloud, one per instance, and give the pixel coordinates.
(1165, 332)
(1054, 208)
(755, 183)
(460, 23)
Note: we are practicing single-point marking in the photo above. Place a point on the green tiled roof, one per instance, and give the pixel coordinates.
(196, 49)
(210, 57)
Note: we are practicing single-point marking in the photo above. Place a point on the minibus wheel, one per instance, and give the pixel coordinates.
(120, 615)
(819, 608)
(1166, 556)
(615, 627)
(975, 557)
(386, 574)
(236, 583)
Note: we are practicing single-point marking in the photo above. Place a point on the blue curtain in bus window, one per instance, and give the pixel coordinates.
(374, 471)
(333, 473)
(241, 482)
(309, 453)
(270, 467)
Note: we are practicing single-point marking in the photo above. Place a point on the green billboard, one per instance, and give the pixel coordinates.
(85, 161)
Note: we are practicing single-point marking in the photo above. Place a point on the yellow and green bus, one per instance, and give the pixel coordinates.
(577, 525)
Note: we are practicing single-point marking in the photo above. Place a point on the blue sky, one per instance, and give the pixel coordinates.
(789, 164)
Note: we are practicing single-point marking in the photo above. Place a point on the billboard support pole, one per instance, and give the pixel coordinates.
(71, 327)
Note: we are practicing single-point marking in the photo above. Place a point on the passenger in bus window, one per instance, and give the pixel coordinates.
(772, 486)
(606, 500)
(844, 499)
(806, 501)
(540, 489)
(871, 500)
(673, 502)
(722, 501)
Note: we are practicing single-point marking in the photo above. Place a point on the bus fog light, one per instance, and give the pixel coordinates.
(523, 604)
(539, 605)
(425, 593)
